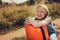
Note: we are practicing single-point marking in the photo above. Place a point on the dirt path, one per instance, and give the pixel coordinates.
(21, 33)
(9, 36)
(57, 21)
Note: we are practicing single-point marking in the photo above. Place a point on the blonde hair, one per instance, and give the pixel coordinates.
(42, 6)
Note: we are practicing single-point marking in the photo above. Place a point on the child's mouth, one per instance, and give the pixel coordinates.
(40, 16)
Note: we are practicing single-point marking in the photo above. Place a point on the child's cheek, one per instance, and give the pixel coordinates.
(42, 14)
(37, 14)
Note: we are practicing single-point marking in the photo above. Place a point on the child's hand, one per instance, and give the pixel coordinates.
(27, 21)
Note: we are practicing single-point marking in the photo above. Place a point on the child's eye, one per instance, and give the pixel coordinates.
(38, 11)
(42, 12)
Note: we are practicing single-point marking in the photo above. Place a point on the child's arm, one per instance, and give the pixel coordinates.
(35, 23)
(27, 21)
(38, 24)
(48, 21)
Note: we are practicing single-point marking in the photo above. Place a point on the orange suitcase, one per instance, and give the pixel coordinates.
(35, 33)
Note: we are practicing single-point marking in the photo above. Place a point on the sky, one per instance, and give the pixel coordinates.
(15, 1)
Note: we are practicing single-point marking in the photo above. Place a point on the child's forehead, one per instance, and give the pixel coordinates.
(40, 9)
(38, 6)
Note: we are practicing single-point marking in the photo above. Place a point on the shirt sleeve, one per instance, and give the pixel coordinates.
(48, 19)
(51, 22)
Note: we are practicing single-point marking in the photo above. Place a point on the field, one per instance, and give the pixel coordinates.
(21, 35)
(12, 18)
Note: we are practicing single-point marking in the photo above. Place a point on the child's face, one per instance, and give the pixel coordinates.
(40, 13)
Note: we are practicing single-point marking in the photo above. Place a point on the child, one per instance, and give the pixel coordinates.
(42, 18)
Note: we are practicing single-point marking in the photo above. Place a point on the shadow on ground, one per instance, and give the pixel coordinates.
(6, 31)
(19, 38)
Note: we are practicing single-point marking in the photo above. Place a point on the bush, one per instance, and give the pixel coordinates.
(54, 10)
(10, 17)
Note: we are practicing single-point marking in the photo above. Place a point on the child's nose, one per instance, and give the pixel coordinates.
(39, 12)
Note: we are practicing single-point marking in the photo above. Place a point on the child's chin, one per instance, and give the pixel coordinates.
(39, 18)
